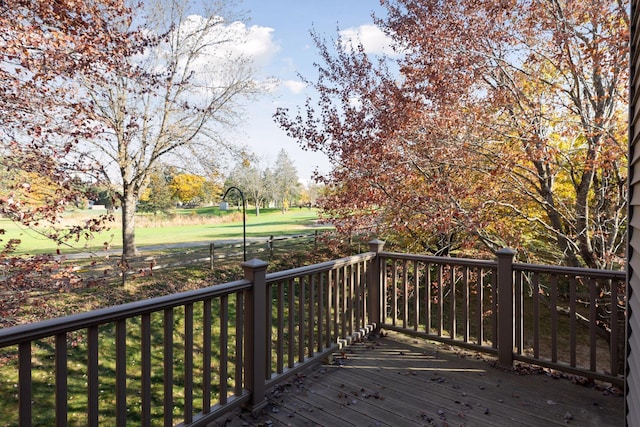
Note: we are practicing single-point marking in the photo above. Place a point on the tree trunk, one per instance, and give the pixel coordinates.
(547, 194)
(129, 248)
(583, 194)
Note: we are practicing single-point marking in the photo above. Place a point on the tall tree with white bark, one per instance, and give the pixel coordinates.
(189, 86)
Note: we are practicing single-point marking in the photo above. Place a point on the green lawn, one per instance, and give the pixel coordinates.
(192, 225)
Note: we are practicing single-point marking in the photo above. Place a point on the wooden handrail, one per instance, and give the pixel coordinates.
(317, 268)
(51, 327)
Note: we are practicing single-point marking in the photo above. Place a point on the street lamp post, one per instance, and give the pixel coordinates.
(244, 220)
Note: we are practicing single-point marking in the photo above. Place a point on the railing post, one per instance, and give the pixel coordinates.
(255, 333)
(505, 306)
(374, 302)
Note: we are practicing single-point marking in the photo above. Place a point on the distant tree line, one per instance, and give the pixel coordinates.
(277, 185)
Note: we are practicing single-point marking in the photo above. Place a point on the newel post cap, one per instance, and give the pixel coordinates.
(376, 245)
(506, 252)
(255, 264)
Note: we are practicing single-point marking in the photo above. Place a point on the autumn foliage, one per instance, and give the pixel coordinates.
(494, 124)
(45, 48)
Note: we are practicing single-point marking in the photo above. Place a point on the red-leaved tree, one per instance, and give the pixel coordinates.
(501, 123)
(498, 123)
(45, 45)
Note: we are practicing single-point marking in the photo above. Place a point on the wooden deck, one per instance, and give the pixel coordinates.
(401, 381)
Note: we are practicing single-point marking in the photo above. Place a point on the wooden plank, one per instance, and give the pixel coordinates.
(224, 349)
(61, 372)
(405, 293)
(427, 298)
(280, 333)
(416, 296)
(399, 380)
(321, 406)
(121, 372)
(188, 364)
(398, 405)
(424, 392)
(291, 331)
(167, 360)
(311, 325)
(302, 317)
(145, 369)
(207, 341)
(239, 352)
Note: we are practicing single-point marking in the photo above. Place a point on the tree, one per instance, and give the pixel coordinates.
(556, 76)
(503, 124)
(188, 87)
(159, 194)
(286, 185)
(252, 181)
(310, 193)
(367, 126)
(188, 188)
(45, 46)
(212, 189)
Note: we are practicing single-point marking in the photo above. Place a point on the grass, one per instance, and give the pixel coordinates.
(186, 225)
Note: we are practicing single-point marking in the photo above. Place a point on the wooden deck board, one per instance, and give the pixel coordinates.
(402, 381)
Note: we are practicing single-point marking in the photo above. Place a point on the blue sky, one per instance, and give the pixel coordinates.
(282, 47)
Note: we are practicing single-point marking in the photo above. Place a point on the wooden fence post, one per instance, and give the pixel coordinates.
(255, 333)
(374, 284)
(505, 306)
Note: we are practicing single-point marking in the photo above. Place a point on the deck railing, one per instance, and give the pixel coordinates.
(188, 358)
(568, 319)
(182, 359)
(135, 358)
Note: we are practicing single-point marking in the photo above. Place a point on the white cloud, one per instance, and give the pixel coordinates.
(259, 45)
(294, 86)
(233, 39)
(373, 39)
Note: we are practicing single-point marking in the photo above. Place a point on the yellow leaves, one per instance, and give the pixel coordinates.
(187, 187)
(246, 159)
(32, 188)
(144, 195)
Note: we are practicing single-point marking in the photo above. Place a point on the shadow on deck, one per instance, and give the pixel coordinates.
(402, 381)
